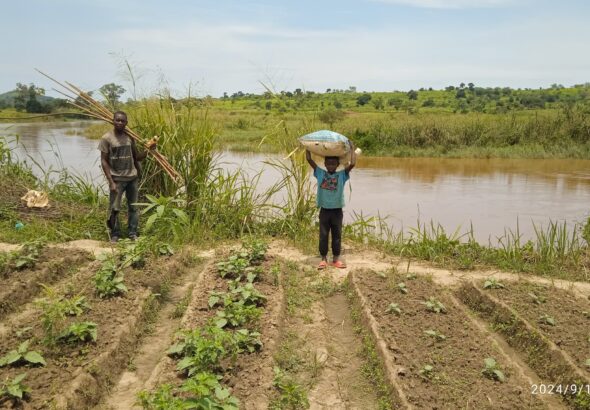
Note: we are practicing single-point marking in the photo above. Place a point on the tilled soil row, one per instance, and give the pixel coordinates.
(19, 287)
(250, 376)
(76, 375)
(540, 348)
(425, 372)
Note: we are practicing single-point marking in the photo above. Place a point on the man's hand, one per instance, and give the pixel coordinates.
(113, 187)
(152, 144)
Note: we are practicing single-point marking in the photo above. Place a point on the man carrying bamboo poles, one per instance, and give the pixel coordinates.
(120, 163)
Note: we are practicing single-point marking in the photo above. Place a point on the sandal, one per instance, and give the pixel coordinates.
(339, 264)
(323, 265)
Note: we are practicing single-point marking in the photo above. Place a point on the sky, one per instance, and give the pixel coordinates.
(208, 47)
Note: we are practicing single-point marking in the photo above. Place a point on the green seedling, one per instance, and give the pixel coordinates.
(427, 371)
(248, 294)
(237, 314)
(164, 249)
(109, 279)
(14, 389)
(133, 253)
(537, 299)
(547, 320)
(54, 309)
(382, 275)
(76, 306)
(22, 354)
(247, 341)
(439, 337)
(291, 394)
(492, 283)
(411, 276)
(491, 370)
(234, 267)
(402, 287)
(433, 305)
(80, 332)
(255, 250)
(393, 308)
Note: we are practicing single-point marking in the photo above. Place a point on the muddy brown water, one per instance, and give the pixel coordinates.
(491, 194)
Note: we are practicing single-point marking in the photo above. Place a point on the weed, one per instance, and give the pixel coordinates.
(547, 320)
(427, 371)
(54, 309)
(76, 306)
(166, 216)
(433, 305)
(256, 250)
(14, 389)
(181, 306)
(292, 396)
(22, 354)
(492, 283)
(439, 337)
(109, 279)
(80, 332)
(491, 370)
(393, 308)
(537, 299)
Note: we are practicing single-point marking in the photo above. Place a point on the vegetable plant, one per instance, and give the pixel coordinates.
(547, 320)
(434, 305)
(14, 389)
(235, 266)
(22, 354)
(439, 337)
(493, 283)
(491, 370)
(393, 308)
(237, 314)
(109, 279)
(80, 332)
(537, 299)
(402, 287)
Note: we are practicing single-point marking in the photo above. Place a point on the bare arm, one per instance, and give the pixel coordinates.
(352, 158)
(106, 168)
(138, 156)
(309, 160)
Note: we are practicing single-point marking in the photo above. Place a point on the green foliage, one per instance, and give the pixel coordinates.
(255, 249)
(537, 299)
(165, 216)
(547, 320)
(22, 354)
(112, 92)
(330, 116)
(427, 371)
(235, 314)
(434, 305)
(14, 389)
(402, 287)
(202, 391)
(202, 349)
(25, 257)
(493, 283)
(80, 332)
(133, 253)
(393, 308)
(491, 370)
(292, 396)
(439, 337)
(109, 278)
(247, 341)
(234, 267)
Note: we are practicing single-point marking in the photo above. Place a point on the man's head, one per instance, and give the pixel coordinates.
(331, 164)
(120, 121)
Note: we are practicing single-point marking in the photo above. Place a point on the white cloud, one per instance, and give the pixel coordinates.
(450, 4)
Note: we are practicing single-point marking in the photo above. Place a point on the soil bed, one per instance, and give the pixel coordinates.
(456, 379)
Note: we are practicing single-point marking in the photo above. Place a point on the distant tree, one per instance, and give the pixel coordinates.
(112, 92)
(352, 89)
(298, 91)
(378, 103)
(225, 96)
(428, 103)
(412, 95)
(337, 104)
(460, 93)
(330, 116)
(328, 90)
(268, 105)
(26, 98)
(450, 88)
(395, 102)
(363, 99)
(470, 86)
(462, 85)
(289, 94)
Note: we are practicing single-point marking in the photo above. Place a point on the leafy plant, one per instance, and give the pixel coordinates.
(547, 320)
(491, 370)
(202, 349)
(237, 314)
(439, 337)
(493, 283)
(248, 294)
(402, 287)
(393, 308)
(109, 280)
(411, 276)
(434, 305)
(291, 394)
(76, 306)
(256, 250)
(247, 340)
(14, 388)
(537, 299)
(133, 253)
(234, 267)
(22, 354)
(164, 249)
(166, 216)
(80, 332)
(427, 371)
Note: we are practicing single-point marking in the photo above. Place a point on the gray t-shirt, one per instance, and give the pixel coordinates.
(120, 152)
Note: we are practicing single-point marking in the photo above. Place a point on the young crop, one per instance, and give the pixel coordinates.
(202, 349)
(537, 299)
(439, 337)
(80, 332)
(402, 287)
(393, 308)
(235, 267)
(109, 280)
(14, 389)
(164, 249)
(22, 354)
(247, 341)
(427, 371)
(491, 370)
(25, 257)
(54, 309)
(248, 294)
(547, 320)
(291, 394)
(411, 276)
(133, 253)
(237, 314)
(433, 305)
(255, 249)
(492, 283)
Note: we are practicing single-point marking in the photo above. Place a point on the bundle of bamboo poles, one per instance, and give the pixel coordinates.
(92, 108)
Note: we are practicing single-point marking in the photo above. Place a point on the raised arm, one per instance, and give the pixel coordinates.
(309, 160)
(352, 158)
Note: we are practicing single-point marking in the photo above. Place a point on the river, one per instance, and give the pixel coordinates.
(491, 194)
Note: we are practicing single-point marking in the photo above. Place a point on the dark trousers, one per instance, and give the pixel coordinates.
(131, 190)
(331, 221)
